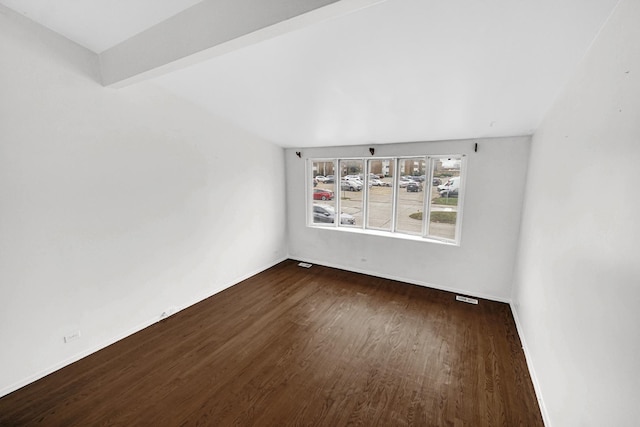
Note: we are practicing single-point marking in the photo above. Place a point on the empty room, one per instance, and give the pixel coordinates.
(319, 212)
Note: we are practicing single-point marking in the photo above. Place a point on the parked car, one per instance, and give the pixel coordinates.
(404, 181)
(436, 181)
(414, 187)
(352, 178)
(329, 179)
(350, 186)
(451, 184)
(320, 178)
(449, 193)
(320, 194)
(326, 214)
(379, 183)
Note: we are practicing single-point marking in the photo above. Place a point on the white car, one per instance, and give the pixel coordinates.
(452, 184)
(320, 178)
(325, 213)
(404, 181)
(378, 183)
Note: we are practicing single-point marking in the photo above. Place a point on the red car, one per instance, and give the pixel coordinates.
(320, 194)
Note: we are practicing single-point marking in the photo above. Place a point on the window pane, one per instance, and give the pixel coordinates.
(324, 202)
(380, 198)
(351, 192)
(443, 206)
(410, 194)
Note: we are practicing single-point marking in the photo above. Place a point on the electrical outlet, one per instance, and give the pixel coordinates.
(72, 337)
(466, 299)
(304, 264)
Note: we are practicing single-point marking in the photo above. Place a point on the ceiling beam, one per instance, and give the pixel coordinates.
(212, 28)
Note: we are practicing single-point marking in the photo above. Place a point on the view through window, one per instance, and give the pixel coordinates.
(403, 195)
(352, 190)
(445, 189)
(412, 176)
(380, 200)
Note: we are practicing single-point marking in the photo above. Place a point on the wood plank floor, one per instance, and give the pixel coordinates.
(295, 346)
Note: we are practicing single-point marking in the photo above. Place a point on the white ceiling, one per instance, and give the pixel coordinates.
(401, 70)
(98, 24)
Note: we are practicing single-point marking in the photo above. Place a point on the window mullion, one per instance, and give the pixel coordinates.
(365, 194)
(427, 197)
(394, 185)
(337, 197)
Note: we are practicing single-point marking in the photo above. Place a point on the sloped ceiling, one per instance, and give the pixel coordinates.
(98, 25)
(395, 71)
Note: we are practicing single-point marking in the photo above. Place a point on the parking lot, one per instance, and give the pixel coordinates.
(379, 209)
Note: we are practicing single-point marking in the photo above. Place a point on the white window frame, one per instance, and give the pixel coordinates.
(363, 228)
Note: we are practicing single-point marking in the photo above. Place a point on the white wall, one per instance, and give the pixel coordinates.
(114, 204)
(481, 266)
(577, 287)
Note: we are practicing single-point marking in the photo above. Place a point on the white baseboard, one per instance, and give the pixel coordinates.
(532, 372)
(35, 377)
(72, 359)
(404, 279)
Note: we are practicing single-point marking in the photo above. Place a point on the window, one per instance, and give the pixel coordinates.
(410, 199)
(443, 206)
(417, 196)
(352, 190)
(324, 203)
(380, 200)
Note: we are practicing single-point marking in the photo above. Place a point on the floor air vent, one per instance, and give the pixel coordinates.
(466, 299)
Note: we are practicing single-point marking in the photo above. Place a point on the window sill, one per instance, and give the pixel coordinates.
(385, 234)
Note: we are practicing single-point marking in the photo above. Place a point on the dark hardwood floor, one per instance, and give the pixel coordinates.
(295, 346)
